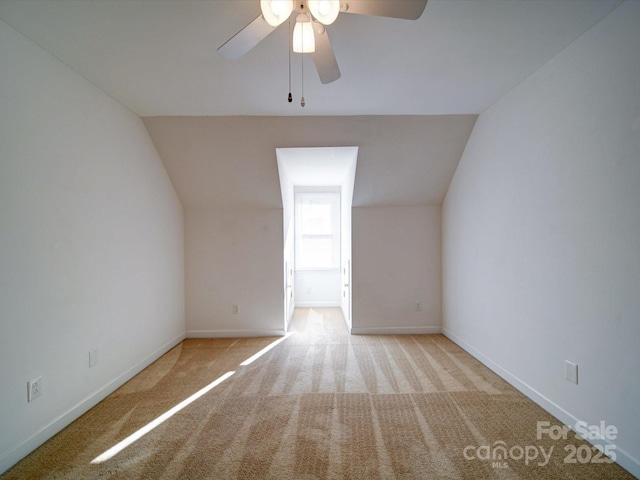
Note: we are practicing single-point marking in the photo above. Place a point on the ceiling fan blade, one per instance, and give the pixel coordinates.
(407, 9)
(246, 39)
(324, 58)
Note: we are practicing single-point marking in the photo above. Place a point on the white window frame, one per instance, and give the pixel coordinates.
(332, 195)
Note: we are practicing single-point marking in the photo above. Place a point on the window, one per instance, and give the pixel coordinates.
(317, 228)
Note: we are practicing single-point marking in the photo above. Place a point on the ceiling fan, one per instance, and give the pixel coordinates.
(309, 33)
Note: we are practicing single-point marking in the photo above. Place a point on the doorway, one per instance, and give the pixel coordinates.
(317, 247)
(320, 182)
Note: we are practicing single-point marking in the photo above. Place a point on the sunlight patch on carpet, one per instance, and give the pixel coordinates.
(253, 358)
(117, 448)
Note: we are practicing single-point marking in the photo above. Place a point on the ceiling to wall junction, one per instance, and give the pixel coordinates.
(230, 162)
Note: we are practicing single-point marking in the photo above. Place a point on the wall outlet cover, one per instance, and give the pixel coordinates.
(34, 388)
(571, 371)
(94, 357)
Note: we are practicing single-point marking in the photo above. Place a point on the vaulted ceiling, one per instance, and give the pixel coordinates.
(408, 97)
(159, 58)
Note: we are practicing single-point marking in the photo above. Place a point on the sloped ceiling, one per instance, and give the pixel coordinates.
(408, 96)
(158, 57)
(230, 162)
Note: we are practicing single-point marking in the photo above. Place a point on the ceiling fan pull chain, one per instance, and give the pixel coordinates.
(302, 102)
(302, 99)
(290, 98)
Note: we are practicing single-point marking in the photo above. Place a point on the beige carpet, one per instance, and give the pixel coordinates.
(319, 404)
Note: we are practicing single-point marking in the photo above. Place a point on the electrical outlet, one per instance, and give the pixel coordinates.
(234, 309)
(34, 388)
(418, 306)
(571, 371)
(94, 357)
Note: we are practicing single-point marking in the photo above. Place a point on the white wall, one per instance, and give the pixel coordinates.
(91, 246)
(288, 251)
(289, 277)
(541, 233)
(317, 288)
(396, 264)
(229, 163)
(346, 201)
(234, 257)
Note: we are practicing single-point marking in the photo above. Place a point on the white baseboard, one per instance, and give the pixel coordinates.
(10, 458)
(234, 333)
(317, 304)
(427, 330)
(624, 459)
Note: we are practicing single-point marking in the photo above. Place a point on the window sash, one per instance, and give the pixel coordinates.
(325, 254)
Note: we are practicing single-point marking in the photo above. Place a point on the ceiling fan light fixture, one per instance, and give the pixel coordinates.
(303, 37)
(276, 11)
(325, 11)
